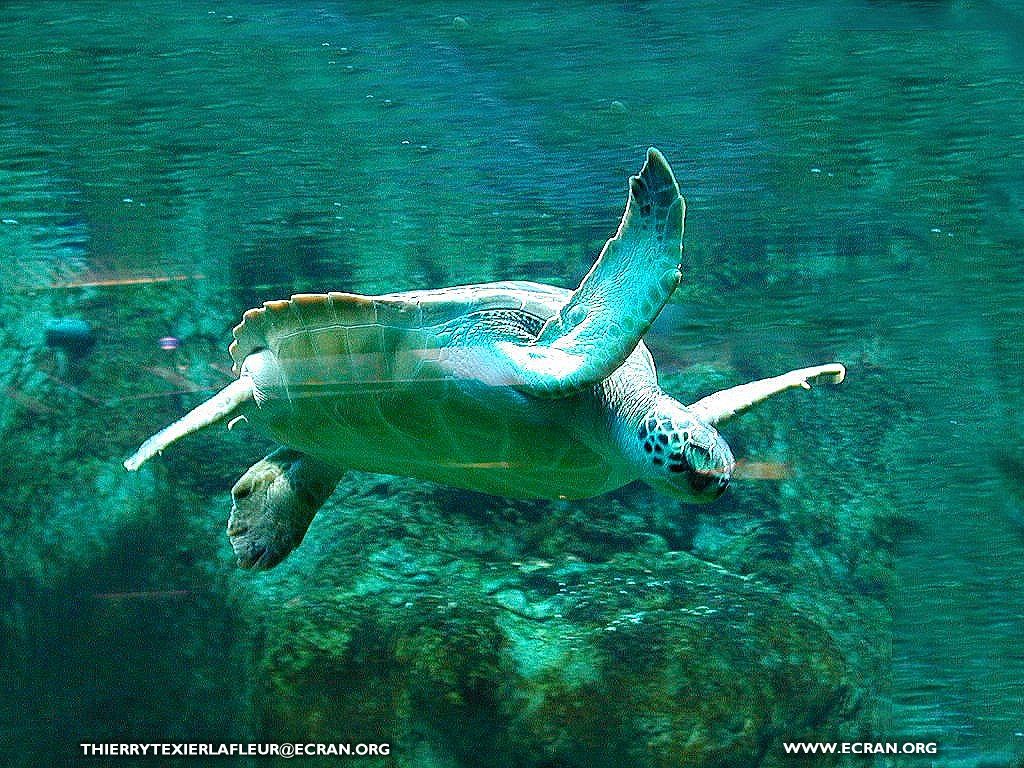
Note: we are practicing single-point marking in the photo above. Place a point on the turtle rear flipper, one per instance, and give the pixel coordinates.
(225, 403)
(605, 317)
(273, 504)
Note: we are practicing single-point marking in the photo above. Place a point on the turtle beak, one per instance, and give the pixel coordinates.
(710, 483)
(709, 474)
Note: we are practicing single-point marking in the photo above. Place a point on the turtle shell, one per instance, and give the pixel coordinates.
(402, 383)
(332, 327)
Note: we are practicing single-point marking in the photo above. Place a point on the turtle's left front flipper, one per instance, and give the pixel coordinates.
(603, 320)
(729, 402)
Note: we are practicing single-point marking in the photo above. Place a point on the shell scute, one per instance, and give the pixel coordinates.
(299, 345)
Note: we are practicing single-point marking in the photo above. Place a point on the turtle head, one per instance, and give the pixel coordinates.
(682, 455)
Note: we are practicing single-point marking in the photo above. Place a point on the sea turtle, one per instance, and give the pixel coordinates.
(512, 388)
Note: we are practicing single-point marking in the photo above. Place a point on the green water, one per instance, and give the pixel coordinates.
(854, 175)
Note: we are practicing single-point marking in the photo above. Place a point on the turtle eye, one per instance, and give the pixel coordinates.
(699, 481)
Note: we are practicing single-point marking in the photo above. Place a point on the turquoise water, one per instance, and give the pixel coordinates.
(854, 176)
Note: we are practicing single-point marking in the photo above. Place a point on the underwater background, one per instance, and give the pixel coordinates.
(854, 177)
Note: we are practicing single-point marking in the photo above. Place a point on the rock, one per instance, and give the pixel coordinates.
(630, 655)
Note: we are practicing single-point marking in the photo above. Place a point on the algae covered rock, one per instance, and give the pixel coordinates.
(422, 622)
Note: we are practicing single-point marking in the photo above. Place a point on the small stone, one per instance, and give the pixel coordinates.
(73, 335)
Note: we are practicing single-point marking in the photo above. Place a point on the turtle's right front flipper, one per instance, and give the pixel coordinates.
(273, 504)
(605, 317)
